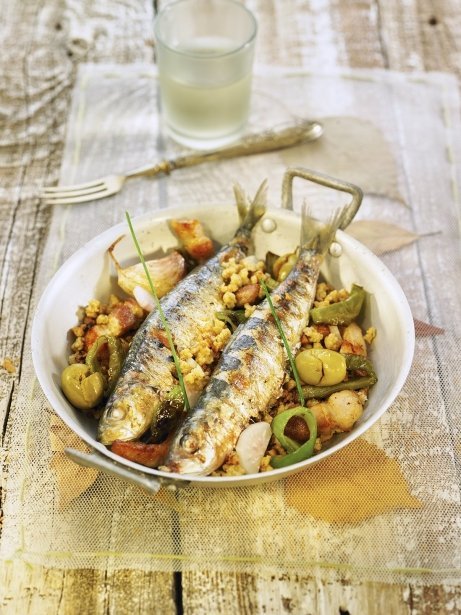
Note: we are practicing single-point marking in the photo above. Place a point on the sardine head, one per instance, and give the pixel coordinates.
(193, 455)
(127, 417)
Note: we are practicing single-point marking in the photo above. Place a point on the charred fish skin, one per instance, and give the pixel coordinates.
(148, 374)
(250, 373)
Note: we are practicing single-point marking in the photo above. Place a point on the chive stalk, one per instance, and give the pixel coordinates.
(285, 343)
(161, 314)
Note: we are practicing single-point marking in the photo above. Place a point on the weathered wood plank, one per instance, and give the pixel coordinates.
(287, 593)
(35, 589)
(290, 593)
(422, 35)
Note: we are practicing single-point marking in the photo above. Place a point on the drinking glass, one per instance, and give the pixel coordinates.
(205, 52)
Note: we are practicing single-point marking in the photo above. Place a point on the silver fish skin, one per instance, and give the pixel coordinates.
(250, 373)
(148, 374)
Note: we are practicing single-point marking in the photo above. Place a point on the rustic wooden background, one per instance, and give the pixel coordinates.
(42, 43)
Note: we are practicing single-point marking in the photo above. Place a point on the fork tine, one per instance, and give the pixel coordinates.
(52, 189)
(74, 193)
(70, 200)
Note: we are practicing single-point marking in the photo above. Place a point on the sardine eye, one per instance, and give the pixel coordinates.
(189, 444)
(117, 413)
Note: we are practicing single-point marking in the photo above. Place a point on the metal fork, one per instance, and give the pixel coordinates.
(267, 141)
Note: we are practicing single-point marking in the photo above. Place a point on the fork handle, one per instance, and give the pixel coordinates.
(259, 143)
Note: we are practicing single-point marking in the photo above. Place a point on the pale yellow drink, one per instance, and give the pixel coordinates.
(205, 59)
(209, 110)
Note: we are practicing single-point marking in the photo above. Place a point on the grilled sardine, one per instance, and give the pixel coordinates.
(250, 373)
(148, 380)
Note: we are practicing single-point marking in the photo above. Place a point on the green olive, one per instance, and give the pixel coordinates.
(319, 366)
(82, 388)
(309, 367)
(279, 262)
(287, 267)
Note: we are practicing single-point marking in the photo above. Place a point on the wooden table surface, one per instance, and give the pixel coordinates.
(43, 42)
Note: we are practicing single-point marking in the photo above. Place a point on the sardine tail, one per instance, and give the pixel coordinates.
(257, 208)
(241, 201)
(316, 234)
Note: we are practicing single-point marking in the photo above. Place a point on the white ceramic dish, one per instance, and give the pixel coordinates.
(89, 274)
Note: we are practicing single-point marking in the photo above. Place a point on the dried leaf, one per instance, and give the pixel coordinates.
(424, 329)
(72, 479)
(344, 489)
(353, 148)
(381, 237)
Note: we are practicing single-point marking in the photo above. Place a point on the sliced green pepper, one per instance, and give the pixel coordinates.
(116, 358)
(354, 363)
(296, 452)
(341, 313)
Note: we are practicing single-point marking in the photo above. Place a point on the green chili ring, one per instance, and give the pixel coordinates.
(116, 358)
(295, 451)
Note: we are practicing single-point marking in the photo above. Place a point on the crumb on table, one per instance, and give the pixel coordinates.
(8, 365)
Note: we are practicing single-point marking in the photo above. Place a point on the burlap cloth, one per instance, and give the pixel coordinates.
(385, 508)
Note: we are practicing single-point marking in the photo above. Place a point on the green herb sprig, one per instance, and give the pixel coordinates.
(285, 343)
(161, 313)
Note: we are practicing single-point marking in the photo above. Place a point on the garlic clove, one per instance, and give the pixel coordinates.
(165, 272)
(144, 298)
(252, 445)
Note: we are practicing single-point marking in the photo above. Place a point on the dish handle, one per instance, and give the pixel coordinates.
(323, 180)
(140, 479)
